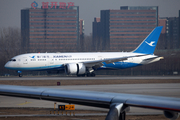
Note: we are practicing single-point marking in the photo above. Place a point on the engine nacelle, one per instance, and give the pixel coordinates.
(171, 115)
(75, 69)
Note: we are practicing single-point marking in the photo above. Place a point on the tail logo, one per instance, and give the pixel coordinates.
(151, 43)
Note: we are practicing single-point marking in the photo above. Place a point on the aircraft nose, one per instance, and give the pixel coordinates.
(7, 65)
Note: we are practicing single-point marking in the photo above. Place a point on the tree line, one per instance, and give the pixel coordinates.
(10, 46)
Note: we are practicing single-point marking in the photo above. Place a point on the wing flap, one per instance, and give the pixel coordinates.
(162, 103)
(152, 102)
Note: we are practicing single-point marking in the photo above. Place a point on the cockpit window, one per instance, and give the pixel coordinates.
(13, 60)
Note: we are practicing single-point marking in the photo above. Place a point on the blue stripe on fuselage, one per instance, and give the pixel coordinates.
(42, 68)
(119, 65)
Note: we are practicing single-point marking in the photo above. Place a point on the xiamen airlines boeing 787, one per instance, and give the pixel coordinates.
(82, 64)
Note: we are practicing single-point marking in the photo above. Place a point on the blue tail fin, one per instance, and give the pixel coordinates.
(149, 44)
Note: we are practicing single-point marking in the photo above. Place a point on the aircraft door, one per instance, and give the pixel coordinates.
(25, 60)
(51, 61)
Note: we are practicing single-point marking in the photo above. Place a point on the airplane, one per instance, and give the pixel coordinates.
(84, 64)
(117, 103)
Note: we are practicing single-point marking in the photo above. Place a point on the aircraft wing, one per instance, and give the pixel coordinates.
(118, 103)
(98, 63)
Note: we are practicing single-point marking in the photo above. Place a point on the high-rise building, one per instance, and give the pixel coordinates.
(96, 36)
(81, 32)
(169, 38)
(179, 28)
(162, 43)
(124, 29)
(53, 29)
(172, 32)
(162, 22)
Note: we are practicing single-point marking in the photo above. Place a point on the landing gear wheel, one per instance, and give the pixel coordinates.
(83, 75)
(20, 75)
(122, 116)
(91, 74)
(88, 74)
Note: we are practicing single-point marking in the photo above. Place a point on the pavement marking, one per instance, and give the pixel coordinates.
(24, 103)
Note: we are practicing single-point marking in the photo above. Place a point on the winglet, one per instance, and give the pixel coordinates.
(149, 44)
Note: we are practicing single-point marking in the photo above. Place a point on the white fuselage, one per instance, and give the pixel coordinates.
(47, 61)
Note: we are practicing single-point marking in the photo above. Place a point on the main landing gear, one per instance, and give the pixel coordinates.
(87, 74)
(91, 74)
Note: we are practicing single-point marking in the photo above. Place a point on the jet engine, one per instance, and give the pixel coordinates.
(75, 69)
(171, 115)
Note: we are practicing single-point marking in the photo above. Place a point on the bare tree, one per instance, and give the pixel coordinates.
(10, 45)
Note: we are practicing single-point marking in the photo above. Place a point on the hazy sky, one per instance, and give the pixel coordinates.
(88, 9)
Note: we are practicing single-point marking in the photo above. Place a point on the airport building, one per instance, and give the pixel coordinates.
(124, 29)
(51, 29)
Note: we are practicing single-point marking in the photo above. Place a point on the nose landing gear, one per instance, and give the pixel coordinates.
(20, 73)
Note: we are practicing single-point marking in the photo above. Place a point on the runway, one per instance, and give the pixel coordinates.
(92, 78)
(169, 90)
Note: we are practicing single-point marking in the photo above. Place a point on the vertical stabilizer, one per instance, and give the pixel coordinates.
(149, 44)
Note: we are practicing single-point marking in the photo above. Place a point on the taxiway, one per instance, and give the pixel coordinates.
(92, 78)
